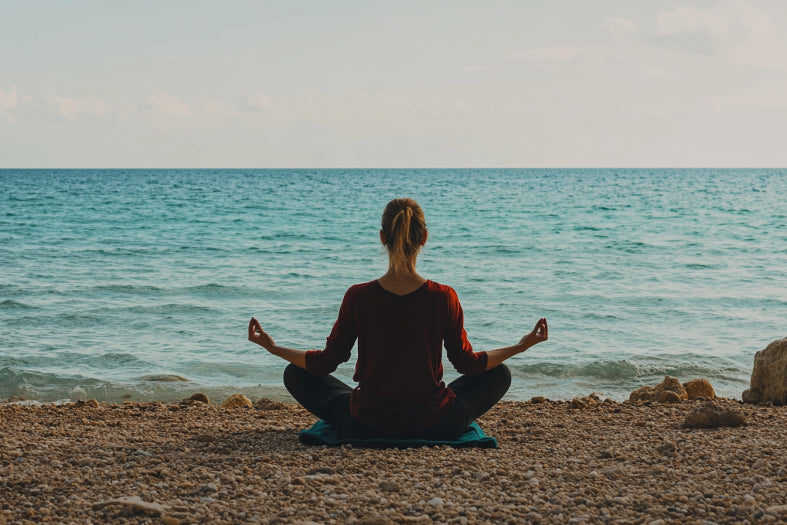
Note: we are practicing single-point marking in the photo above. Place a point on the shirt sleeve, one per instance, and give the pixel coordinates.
(458, 348)
(339, 343)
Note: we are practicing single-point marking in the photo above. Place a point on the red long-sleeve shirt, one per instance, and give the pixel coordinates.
(399, 368)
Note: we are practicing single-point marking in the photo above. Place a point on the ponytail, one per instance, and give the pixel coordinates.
(403, 227)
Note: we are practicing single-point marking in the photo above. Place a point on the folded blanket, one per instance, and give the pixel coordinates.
(322, 433)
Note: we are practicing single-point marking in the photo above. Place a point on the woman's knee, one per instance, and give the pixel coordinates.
(294, 379)
(502, 375)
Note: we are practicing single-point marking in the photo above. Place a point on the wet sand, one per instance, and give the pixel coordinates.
(608, 463)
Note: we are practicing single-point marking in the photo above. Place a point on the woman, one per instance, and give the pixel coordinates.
(401, 322)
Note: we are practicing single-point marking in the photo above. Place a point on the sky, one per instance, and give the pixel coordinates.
(396, 84)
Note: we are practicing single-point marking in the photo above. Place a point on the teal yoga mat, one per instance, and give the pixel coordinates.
(322, 433)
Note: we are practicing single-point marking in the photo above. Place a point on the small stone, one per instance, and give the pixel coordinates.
(480, 476)
(208, 487)
(538, 399)
(134, 502)
(237, 401)
(389, 486)
(777, 510)
(435, 501)
(668, 448)
(268, 404)
(196, 398)
(374, 521)
(170, 520)
(579, 403)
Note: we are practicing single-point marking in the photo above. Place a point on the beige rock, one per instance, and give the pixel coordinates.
(582, 403)
(698, 388)
(769, 375)
(579, 403)
(538, 399)
(670, 384)
(709, 415)
(668, 396)
(237, 401)
(643, 393)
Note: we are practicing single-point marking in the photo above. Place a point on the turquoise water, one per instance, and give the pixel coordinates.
(110, 277)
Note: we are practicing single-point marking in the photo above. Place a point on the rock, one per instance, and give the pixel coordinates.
(435, 501)
(374, 521)
(670, 384)
(643, 393)
(170, 520)
(668, 448)
(777, 510)
(196, 398)
(237, 401)
(268, 404)
(699, 388)
(134, 502)
(538, 399)
(90, 403)
(709, 415)
(389, 486)
(668, 396)
(579, 403)
(769, 375)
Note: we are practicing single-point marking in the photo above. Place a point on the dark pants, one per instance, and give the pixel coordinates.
(329, 399)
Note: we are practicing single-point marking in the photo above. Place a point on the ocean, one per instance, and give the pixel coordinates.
(114, 283)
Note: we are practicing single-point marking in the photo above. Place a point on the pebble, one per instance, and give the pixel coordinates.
(205, 464)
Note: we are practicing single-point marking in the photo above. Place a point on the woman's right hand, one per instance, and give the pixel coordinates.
(539, 334)
(258, 335)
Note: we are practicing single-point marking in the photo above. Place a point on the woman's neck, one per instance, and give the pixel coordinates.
(401, 283)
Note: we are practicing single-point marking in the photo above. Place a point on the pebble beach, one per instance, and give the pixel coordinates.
(608, 462)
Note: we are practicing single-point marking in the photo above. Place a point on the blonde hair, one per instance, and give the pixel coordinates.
(404, 227)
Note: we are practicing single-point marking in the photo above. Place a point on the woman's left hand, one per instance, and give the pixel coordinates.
(258, 335)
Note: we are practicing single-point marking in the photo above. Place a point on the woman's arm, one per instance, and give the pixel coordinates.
(540, 333)
(258, 335)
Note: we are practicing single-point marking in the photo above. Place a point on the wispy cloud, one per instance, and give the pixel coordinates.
(8, 99)
(163, 103)
(260, 101)
(737, 32)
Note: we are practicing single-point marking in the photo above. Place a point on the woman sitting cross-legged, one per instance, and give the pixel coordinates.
(401, 322)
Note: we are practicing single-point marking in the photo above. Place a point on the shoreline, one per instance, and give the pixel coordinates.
(611, 462)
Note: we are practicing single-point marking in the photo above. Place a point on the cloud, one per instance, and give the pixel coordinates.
(723, 21)
(169, 105)
(261, 101)
(735, 31)
(70, 107)
(620, 27)
(545, 54)
(8, 99)
(212, 106)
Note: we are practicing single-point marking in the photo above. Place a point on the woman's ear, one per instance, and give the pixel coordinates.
(382, 238)
(426, 236)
